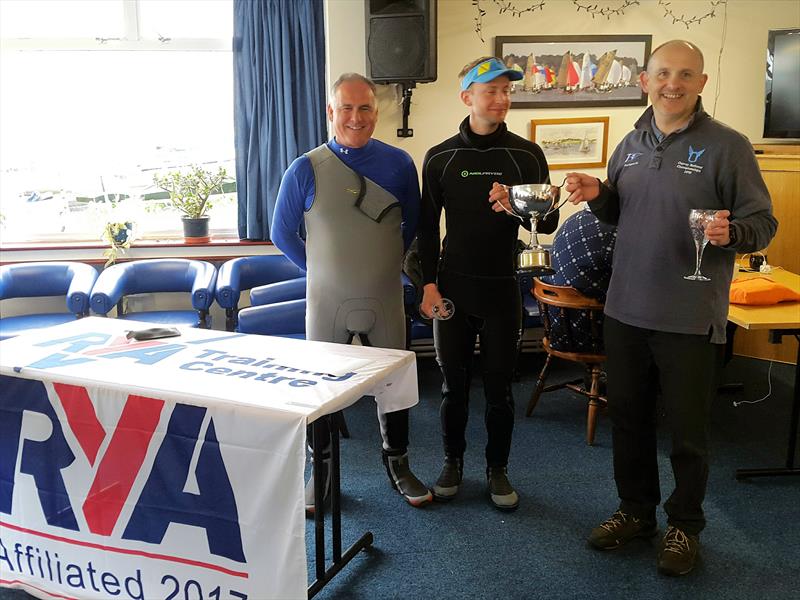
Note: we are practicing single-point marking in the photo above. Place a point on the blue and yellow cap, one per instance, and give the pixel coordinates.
(486, 71)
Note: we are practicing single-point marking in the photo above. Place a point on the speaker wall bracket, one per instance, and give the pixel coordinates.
(406, 86)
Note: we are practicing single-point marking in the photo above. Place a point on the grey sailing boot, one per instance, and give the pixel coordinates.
(404, 481)
(501, 492)
(446, 487)
(309, 495)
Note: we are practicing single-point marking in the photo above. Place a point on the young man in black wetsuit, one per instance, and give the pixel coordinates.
(475, 267)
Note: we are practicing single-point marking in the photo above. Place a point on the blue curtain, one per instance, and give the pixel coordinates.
(279, 99)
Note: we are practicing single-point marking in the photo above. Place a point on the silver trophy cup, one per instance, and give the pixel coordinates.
(535, 201)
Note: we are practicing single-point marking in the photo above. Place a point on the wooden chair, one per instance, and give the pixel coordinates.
(570, 305)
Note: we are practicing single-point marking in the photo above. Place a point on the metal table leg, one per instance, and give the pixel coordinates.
(323, 573)
(789, 469)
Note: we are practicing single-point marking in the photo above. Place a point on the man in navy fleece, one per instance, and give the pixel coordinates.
(662, 330)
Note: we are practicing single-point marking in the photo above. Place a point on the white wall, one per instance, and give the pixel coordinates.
(436, 109)
(345, 39)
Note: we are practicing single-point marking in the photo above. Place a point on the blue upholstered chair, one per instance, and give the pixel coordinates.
(280, 291)
(248, 272)
(73, 280)
(195, 277)
(282, 319)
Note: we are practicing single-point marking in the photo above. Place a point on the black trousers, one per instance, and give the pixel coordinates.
(394, 431)
(685, 368)
(498, 329)
(394, 425)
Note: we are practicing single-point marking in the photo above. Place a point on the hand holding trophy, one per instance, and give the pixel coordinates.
(535, 201)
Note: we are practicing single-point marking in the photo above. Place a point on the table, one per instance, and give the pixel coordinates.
(170, 467)
(780, 319)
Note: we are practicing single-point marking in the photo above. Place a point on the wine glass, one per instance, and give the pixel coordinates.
(444, 310)
(698, 219)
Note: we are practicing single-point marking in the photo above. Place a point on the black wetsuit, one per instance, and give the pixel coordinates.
(476, 270)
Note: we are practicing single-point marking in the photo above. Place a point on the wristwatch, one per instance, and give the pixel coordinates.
(731, 236)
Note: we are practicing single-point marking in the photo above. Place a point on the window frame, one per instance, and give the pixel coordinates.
(131, 41)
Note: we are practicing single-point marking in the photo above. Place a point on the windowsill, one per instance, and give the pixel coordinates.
(140, 243)
(219, 248)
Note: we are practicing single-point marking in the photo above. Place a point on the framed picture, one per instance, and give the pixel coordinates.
(579, 143)
(567, 71)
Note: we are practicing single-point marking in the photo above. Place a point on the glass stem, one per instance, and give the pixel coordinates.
(699, 247)
(697, 258)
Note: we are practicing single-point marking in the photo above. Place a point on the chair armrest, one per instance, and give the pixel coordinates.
(274, 319)
(248, 272)
(108, 289)
(229, 289)
(203, 289)
(280, 291)
(80, 288)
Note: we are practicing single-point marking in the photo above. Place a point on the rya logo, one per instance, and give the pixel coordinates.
(187, 481)
(694, 155)
(86, 347)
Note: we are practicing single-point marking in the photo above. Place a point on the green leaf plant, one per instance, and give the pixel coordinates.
(189, 191)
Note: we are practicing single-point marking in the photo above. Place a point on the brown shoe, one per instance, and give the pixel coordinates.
(678, 553)
(619, 529)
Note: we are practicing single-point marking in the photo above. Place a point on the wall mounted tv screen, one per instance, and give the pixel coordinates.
(782, 110)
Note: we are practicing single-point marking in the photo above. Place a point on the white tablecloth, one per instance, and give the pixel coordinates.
(139, 469)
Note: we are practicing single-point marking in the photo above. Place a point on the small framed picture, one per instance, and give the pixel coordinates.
(578, 143)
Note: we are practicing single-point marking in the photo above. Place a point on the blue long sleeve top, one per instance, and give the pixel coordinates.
(391, 168)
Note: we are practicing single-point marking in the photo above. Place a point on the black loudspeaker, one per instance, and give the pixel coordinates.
(401, 40)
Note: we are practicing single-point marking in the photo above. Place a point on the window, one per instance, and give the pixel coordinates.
(97, 97)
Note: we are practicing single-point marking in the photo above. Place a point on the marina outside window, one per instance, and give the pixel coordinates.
(97, 97)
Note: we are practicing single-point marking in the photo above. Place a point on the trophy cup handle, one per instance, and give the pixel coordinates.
(507, 188)
(557, 202)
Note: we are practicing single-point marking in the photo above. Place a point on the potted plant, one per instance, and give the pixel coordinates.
(119, 236)
(189, 192)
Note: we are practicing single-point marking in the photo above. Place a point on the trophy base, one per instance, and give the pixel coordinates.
(535, 261)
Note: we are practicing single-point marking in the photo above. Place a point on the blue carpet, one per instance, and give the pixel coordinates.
(468, 550)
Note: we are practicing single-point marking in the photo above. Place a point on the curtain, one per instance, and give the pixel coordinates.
(279, 99)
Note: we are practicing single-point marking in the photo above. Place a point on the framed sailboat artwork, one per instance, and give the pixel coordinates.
(572, 71)
(577, 143)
